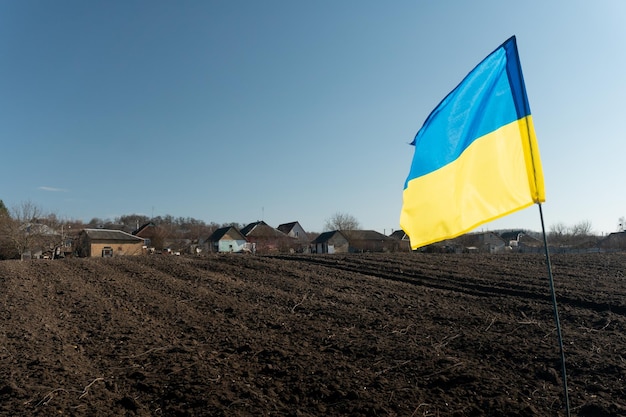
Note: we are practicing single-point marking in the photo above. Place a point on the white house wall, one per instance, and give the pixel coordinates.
(231, 245)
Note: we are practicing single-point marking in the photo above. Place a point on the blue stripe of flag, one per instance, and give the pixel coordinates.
(490, 96)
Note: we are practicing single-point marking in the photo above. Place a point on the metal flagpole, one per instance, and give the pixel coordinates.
(556, 313)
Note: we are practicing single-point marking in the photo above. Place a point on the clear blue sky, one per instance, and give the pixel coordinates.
(291, 110)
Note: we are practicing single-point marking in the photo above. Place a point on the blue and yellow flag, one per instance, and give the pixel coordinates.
(476, 156)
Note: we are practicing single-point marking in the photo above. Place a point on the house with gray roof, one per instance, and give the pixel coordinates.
(227, 239)
(403, 240)
(300, 237)
(108, 243)
(353, 241)
(330, 242)
(614, 241)
(267, 239)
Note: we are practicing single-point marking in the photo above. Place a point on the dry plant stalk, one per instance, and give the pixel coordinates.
(86, 389)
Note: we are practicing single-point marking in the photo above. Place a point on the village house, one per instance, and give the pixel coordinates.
(521, 241)
(266, 239)
(149, 232)
(353, 241)
(300, 238)
(404, 243)
(330, 242)
(227, 239)
(614, 241)
(485, 242)
(370, 241)
(108, 243)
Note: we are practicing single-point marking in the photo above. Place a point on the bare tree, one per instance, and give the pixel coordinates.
(558, 229)
(23, 229)
(342, 221)
(582, 229)
(561, 234)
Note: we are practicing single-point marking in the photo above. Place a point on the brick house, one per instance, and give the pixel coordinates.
(107, 242)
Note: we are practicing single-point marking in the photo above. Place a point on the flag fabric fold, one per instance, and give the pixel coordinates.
(476, 157)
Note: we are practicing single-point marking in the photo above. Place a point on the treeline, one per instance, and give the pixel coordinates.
(579, 234)
(175, 227)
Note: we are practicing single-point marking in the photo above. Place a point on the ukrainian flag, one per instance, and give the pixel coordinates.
(476, 156)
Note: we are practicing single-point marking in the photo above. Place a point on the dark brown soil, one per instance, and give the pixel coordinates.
(326, 335)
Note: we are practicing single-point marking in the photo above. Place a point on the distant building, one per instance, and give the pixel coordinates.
(330, 242)
(614, 241)
(353, 241)
(300, 238)
(266, 239)
(227, 239)
(404, 243)
(108, 243)
(149, 232)
(484, 242)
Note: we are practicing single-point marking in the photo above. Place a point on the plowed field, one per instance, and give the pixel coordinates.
(325, 335)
